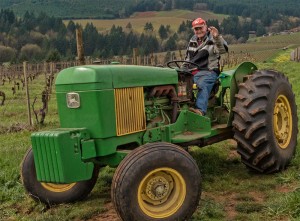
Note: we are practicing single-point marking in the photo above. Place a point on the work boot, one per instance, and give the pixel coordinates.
(196, 111)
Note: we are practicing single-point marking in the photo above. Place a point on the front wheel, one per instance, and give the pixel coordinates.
(51, 193)
(266, 122)
(158, 181)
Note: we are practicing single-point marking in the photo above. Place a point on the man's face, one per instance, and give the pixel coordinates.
(200, 31)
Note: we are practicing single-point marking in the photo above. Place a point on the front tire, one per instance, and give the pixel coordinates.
(51, 193)
(265, 121)
(158, 181)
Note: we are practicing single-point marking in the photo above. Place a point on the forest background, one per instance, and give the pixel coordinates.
(43, 30)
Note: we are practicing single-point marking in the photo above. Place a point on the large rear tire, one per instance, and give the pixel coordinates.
(51, 193)
(265, 121)
(158, 181)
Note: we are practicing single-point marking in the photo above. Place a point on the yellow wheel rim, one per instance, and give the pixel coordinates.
(282, 122)
(161, 192)
(58, 188)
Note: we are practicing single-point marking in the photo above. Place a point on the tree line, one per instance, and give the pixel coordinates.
(266, 10)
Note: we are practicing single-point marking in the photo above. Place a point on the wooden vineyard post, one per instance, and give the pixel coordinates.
(80, 50)
(135, 56)
(27, 92)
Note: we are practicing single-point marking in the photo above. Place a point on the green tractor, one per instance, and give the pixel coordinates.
(137, 119)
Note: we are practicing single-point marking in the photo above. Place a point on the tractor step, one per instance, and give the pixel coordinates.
(219, 126)
(188, 136)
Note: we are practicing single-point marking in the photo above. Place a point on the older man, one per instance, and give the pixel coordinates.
(204, 49)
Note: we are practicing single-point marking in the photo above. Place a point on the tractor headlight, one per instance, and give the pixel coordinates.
(73, 100)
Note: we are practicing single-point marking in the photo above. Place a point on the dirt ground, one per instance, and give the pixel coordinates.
(109, 215)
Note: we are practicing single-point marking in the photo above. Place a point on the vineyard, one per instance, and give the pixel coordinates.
(14, 108)
(266, 47)
(16, 105)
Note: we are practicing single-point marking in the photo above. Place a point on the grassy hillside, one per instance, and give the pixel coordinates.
(265, 48)
(173, 18)
(230, 191)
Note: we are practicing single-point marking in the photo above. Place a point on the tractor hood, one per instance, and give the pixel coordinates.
(96, 77)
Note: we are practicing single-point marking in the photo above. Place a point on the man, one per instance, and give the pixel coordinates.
(204, 49)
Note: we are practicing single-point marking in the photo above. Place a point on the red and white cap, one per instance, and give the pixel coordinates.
(198, 22)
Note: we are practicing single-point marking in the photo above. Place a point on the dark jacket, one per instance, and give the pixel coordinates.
(207, 54)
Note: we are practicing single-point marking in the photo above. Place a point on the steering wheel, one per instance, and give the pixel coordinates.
(179, 63)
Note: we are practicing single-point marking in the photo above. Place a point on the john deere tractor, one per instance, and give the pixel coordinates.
(137, 119)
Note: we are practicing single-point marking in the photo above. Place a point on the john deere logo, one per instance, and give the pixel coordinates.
(73, 100)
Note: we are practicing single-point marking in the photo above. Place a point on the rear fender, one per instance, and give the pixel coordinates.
(232, 78)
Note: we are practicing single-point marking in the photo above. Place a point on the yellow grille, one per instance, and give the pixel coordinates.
(130, 110)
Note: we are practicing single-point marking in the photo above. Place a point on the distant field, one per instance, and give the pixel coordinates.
(173, 18)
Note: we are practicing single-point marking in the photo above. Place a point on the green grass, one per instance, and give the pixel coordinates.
(230, 191)
(16, 205)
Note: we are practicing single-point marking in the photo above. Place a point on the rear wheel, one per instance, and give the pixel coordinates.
(265, 121)
(51, 193)
(158, 181)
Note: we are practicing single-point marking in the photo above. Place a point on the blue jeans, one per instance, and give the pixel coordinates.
(205, 81)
